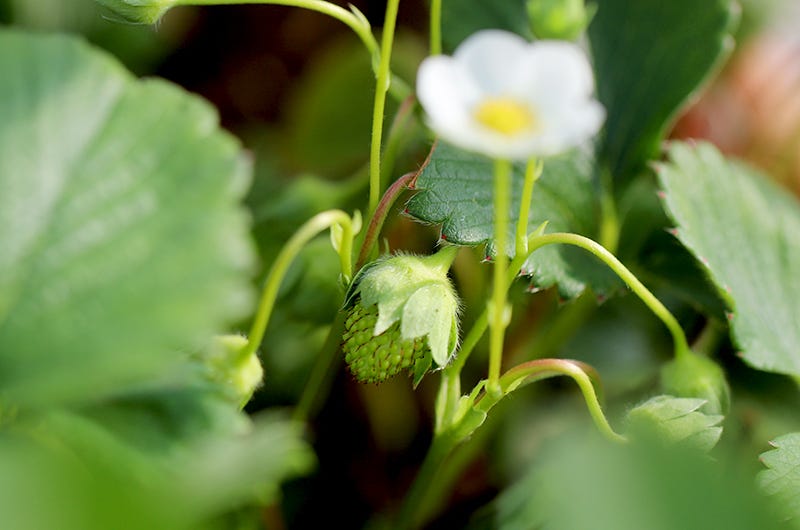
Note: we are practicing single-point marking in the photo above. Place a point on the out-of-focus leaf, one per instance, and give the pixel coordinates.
(455, 190)
(586, 482)
(122, 235)
(650, 57)
(676, 420)
(744, 230)
(91, 478)
(462, 18)
(781, 479)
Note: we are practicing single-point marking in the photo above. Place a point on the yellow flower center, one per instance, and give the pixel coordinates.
(505, 115)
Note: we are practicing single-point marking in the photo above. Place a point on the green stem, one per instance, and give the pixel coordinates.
(379, 217)
(353, 19)
(304, 234)
(532, 173)
(497, 312)
(381, 87)
(653, 303)
(539, 369)
(436, 27)
(447, 398)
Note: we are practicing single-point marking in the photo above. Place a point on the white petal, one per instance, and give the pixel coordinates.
(555, 71)
(446, 92)
(490, 57)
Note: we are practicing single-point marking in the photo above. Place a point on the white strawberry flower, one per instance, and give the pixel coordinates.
(508, 98)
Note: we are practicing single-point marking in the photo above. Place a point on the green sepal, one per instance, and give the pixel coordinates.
(421, 367)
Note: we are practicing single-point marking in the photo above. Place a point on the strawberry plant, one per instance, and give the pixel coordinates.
(470, 278)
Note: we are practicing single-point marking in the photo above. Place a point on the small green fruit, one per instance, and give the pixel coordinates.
(402, 316)
(239, 376)
(695, 376)
(374, 359)
(559, 19)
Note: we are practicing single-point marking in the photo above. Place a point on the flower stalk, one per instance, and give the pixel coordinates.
(498, 311)
(379, 105)
(304, 234)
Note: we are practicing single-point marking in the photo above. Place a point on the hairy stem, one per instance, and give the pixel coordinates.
(379, 106)
(304, 234)
(653, 303)
(379, 217)
(539, 369)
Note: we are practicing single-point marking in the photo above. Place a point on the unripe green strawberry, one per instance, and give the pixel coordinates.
(559, 19)
(373, 359)
(696, 376)
(238, 375)
(402, 316)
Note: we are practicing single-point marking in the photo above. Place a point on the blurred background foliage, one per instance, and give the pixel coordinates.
(296, 87)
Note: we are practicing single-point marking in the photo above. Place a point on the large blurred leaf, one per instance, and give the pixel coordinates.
(121, 234)
(744, 229)
(650, 57)
(455, 189)
(585, 482)
(462, 18)
(781, 479)
(71, 473)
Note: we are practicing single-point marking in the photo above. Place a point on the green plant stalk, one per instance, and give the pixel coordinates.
(417, 505)
(654, 304)
(379, 217)
(497, 313)
(436, 27)
(379, 106)
(536, 241)
(304, 234)
(539, 369)
(533, 170)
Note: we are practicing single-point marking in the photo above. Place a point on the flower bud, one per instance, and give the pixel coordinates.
(559, 19)
(402, 315)
(238, 376)
(695, 376)
(139, 11)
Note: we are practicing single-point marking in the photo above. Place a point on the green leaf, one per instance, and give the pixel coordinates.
(781, 479)
(650, 57)
(455, 190)
(78, 468)
(585, 482)
(122, 236)
(677, 420)
(462, 18)
(744, 229)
